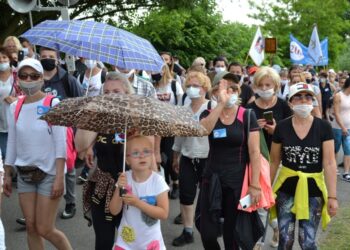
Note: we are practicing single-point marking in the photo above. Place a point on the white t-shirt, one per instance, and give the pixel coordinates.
(167, 95)
(138, 231)
(31, 141)
(194, 147)
(5, 89)
(94, 85)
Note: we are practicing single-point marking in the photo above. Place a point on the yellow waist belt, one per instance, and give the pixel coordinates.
(301, 198)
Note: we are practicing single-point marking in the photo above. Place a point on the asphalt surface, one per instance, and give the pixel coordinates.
(82, 237)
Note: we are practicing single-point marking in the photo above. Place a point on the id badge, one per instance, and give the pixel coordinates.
(42, 110)
(119, 138)
(219, 133)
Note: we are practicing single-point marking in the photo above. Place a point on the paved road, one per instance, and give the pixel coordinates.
(82, 237)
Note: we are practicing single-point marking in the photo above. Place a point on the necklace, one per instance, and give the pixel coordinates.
(273, 101)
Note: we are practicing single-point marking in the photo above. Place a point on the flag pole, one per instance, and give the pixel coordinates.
(246, 59)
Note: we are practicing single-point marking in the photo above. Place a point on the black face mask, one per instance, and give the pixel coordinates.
(308, 80)
(238, 76)
(14, 64)
(48, 64)
(156, 77)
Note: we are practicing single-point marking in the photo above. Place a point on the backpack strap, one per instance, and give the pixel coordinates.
(173, 88)
(209, 106)
(66, 85)
(81, 78)
(183, 98)
(48, 101)
(103, 76)
(19, 105)
(240, 114)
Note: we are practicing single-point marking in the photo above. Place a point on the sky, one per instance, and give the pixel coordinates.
(236, 11)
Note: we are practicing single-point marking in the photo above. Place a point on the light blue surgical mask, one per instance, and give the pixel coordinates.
(193, 92)
(232, 101)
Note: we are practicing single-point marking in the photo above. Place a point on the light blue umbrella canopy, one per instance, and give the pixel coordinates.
(97, 41)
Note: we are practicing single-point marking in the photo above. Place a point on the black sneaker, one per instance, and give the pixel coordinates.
(174, 194)
(183, 239)
(346, 177)
(21, 221)
(69, 211)
(178, 220)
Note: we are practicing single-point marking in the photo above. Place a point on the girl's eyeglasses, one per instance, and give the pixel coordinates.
(144, 153)
(32, 76)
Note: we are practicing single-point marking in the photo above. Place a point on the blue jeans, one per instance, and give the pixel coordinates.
(3, 144)
(341, 140)
(286, 222)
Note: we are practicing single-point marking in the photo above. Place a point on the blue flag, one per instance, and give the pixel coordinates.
(299, 53)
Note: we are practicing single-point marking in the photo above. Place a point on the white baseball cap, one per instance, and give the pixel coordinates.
(300, 87)
(33, 63)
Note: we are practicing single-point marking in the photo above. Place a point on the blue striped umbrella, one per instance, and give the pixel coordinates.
(97, 41)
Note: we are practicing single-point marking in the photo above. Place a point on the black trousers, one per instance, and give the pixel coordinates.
(166, 150)
(209, 229)
(190, 176)
(104, 230)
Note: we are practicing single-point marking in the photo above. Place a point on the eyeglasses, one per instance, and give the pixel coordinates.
(144, 153)
(32, 76)
(300, 97)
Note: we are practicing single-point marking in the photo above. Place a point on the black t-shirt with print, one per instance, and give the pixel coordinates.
(302, 155)
(228, 153)
(109, 154)
(280, 110)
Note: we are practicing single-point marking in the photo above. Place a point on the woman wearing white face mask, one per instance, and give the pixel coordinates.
(8, 87)
(269, 110)
(228, 155)
(92, 79)
(266, 84)
(38, 152)
(190, 154)
(308, 178)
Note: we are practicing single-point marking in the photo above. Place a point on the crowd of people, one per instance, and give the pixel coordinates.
(303, 115)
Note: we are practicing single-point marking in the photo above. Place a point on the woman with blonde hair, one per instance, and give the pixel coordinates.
(190, 154)
(269, 110)
(168, 90)
(12, 44)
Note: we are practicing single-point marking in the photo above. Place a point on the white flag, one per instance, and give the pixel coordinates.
(314, 50)
(256, 51)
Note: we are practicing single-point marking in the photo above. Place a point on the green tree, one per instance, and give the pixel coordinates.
(282, 17)
(196, 32)
(14, 23)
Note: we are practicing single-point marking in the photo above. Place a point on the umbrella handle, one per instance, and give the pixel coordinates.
(125, 138)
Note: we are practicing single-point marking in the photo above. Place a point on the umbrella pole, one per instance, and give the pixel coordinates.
(125, 138)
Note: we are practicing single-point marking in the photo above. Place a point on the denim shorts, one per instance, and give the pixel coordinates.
(43, 187)
(340, 140)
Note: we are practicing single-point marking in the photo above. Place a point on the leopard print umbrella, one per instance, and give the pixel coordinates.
(110, 113)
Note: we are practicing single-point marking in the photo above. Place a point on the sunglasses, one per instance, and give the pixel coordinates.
(32, 76)
(300, 97)
(144, 153)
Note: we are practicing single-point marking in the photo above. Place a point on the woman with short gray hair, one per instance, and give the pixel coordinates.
(108, 149)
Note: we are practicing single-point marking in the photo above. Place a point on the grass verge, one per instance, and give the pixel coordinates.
(337, 235)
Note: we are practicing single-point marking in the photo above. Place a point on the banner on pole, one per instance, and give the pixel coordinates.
(256, 51)
(299, 53)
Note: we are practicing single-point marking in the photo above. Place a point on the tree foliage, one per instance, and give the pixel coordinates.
(14, 23)
(197, 32)
(282, 17)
